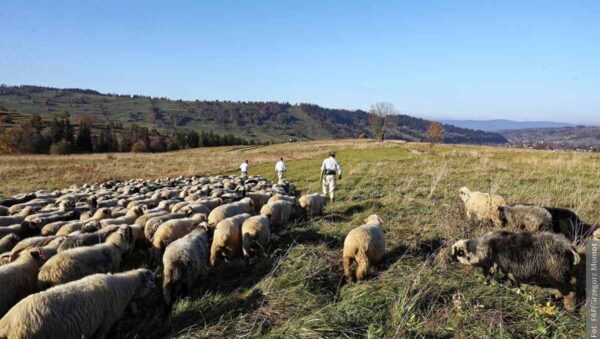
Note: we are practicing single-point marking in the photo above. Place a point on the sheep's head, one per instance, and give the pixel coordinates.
(464, 194)
(502, 214)
(596, 235)
(465, 252)
(146, 282)
(373, 219)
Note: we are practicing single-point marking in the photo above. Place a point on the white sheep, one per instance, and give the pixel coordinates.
(229, 210)
(227, 238)
(79, 262)
(365, 246)
(482, 206)
(185, 260)
(172, 230)
(279, 212)
(313, 204)
(85, 308)
(256, 235)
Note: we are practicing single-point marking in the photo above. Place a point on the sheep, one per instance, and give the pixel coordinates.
(19, 278)
(259, 199)
(17, 199)
(178, 206)
(8, 242)
(172, 230)
(153, 223)
(568, 223)
(79, 262)
(128, 219)
(194, 208)
(53, 227)
(542, 258)
(71, 227)
(227, 238)
(16, 218)
(34, 204)
(81, 309)
(41, 220)
(185, 260)
(99, 214)
(23, 230)
(143, 219)
(528, 218)
(39, 241)
(280, 212)
(256, 235)
(482, 206)
(364, 245)
(87, 239)
(279, 197)
(312, 204)
(229, 210)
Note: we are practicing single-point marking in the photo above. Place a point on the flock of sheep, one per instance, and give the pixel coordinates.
(60, 252)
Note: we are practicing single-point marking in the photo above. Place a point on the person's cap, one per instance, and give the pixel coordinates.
(332, 154)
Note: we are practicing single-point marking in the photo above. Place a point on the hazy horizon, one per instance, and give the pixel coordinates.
(437, 60)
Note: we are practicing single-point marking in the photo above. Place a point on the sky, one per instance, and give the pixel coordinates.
(450, 59)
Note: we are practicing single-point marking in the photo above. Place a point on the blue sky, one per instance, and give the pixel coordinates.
(522, 60)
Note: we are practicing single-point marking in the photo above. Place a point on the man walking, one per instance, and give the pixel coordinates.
(244, 168)
(280, 169)
(330, 170)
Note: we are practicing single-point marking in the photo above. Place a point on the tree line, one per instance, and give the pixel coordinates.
(61, 136)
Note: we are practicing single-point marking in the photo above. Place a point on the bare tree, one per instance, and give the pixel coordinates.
(378, 117)
(435, 134)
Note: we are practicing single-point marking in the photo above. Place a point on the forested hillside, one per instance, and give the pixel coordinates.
(257, 121)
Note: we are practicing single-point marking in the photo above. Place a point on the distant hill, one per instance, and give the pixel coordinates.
(504, 125)
(574, 138)
(263, 121)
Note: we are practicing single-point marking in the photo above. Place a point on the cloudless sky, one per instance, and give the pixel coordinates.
(522, 60)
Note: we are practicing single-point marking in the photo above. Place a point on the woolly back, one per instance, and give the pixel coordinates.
(122, 238)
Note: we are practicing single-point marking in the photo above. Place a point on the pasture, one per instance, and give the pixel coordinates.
(298, 290)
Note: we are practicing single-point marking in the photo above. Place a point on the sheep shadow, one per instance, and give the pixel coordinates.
(307, 236)
(392, 256)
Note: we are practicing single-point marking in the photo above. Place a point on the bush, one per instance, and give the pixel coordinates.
(139, 146)
(60, 147)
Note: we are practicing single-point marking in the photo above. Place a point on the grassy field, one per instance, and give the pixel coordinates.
(298, 290)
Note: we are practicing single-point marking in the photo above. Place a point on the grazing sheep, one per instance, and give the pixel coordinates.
(17, 199)
(256, 235)
(365, 246)
(87, 239)
(528, 218)
(229, 210)
(279, 197)
(86, 308)
(28, 243)
(23, 230)
(79, 262)
(172, 230)
(568, 223)
(259, 199)
(16, 218)
(53, 227)
(194, 208)
(99, 214)
(482, 206)
(541, 258)
(8, 242)
(178, 206)
(280, 212)
(129, 218)
(185, 260)
(211, 203)
(143, 219)
(153, 223)
(19, 278)
(312, 204)
(227, 238)
(34, 204)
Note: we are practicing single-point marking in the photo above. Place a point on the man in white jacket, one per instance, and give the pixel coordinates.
(280, 169)
(330, 171)
(244, 168)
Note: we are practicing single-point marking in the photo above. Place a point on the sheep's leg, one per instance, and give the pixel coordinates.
(347, 261)
(569, 300)
(362, 269)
